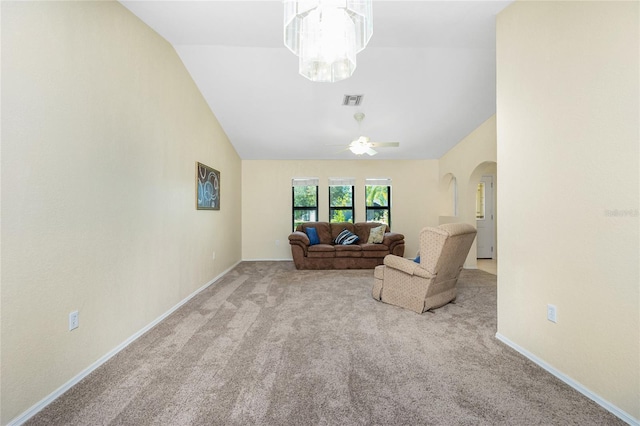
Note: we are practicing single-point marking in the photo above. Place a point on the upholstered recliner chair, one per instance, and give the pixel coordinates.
(432, 282)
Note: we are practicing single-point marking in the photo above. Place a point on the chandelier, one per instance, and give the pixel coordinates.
(326, 35)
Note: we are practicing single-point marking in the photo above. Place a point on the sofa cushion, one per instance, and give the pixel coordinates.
(376, 253)
(362, 229)
(312, 233)
(322, 250)
(323, 230)
(376, 235)
(348, 250)
(373, 247)
(338, 227)
(346, 237)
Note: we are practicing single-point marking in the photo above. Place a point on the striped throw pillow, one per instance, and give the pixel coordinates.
(345, 238)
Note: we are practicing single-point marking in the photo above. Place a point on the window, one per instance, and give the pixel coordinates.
(341, 199)
(480, 195)
(378, 200)
(304, 200)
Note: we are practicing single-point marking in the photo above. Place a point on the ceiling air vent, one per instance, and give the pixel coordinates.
(352, 100)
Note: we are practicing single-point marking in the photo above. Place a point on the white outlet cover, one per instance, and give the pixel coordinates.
(74, 320)
(552, 313)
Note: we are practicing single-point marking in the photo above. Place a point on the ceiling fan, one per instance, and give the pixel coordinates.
(363, 145)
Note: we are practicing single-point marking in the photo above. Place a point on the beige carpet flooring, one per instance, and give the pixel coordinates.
(269, 345)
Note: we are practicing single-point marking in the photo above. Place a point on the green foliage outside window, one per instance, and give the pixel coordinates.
(305, 196)
(341, 216)
(341, 203)
(340, 196)
(381, 216)
(305, 204)
(377, 203)
(377, 195)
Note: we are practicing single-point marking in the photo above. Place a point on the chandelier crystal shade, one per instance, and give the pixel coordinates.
(326, 35)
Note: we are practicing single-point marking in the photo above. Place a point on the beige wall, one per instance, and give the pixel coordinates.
(473, 157)
(266, 199)
(419, 192)
(568, 132)
(102, 126)
(101, 129)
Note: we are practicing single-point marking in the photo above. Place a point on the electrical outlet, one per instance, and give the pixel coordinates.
(74, 321)
(213, 256)
(552, 314)
(277, 243)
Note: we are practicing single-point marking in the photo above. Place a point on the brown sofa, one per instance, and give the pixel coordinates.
(327, 255)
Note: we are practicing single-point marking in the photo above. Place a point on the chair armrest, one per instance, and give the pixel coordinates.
(298, 237)
(405, 265)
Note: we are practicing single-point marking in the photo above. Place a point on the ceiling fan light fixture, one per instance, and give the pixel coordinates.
(361, 146)
(326, 35)
(358, 148)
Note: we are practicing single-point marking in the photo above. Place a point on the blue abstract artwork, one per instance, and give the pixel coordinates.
(208, 190)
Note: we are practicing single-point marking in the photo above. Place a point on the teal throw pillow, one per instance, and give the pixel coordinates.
(312, 233)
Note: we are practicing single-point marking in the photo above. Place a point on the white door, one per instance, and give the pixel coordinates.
(484, 218)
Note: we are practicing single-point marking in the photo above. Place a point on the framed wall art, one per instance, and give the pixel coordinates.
(207, 188)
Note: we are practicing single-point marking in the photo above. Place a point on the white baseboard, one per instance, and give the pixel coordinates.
(577, 386)
(84, 373)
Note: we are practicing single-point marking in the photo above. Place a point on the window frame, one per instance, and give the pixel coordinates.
(295, 208)
(350, 208)
(378, 182)
(481, 199)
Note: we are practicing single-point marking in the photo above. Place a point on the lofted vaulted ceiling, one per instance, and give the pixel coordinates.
(427, 76)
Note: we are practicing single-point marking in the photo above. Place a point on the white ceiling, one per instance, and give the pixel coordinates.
(427, 76)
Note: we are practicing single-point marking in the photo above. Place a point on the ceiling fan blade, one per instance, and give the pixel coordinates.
(371, 151)
(385, 144)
